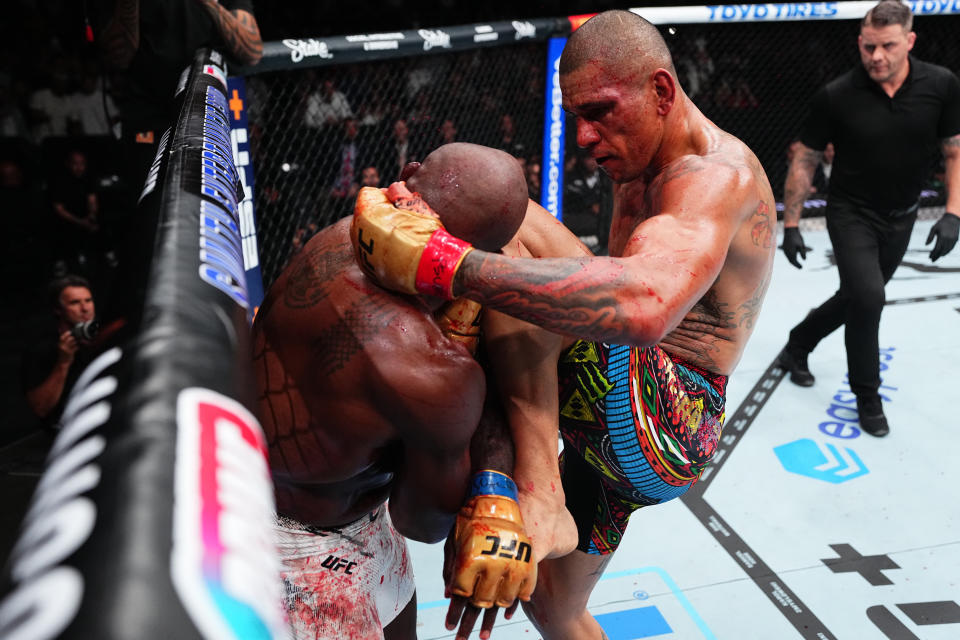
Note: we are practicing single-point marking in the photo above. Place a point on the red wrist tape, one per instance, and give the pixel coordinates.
(438, 264)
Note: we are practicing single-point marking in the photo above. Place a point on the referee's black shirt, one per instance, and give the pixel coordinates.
(885, 147)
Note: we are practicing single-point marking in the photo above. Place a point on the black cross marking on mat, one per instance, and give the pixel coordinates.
(870, 567)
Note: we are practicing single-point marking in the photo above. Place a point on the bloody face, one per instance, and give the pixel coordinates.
(616, 117)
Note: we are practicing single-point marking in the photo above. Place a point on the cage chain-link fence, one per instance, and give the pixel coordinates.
(753, 80)
(319, 134)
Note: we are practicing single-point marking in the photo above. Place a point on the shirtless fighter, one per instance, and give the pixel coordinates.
(367, 395)
(660, 324)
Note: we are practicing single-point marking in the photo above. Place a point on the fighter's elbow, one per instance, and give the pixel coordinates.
(644, 324)
(648, 334)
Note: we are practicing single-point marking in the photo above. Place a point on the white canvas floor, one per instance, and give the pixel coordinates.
(805, 528)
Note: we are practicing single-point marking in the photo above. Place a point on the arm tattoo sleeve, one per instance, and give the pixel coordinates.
(563, 295)
(239, 31)
(120, 38)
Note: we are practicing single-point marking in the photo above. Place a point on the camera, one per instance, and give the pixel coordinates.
(85, 331)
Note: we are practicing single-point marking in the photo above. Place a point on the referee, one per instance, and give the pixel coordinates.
(886, 119)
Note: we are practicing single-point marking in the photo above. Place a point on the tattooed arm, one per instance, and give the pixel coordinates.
(120, 37)
(803, 166)
(239, 31)
(669, 262)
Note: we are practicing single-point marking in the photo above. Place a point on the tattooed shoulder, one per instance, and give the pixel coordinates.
(312, 274)
(681, 167)
(762, 226)
(357, 326)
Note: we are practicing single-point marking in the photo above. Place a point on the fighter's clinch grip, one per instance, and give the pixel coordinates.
(460, 321)
(401, 243)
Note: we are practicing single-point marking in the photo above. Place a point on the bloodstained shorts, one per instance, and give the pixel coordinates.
(344, 583)
(639, 427)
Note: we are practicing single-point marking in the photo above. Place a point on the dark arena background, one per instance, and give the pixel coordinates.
(147, 514)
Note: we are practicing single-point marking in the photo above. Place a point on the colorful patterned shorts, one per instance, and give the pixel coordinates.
(639, 427)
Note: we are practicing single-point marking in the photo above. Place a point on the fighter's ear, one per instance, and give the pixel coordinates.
(666, 88)
(408, 170)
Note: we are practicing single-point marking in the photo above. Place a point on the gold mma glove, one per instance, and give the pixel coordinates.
(493, 562)
(400, 242)
(460, 320)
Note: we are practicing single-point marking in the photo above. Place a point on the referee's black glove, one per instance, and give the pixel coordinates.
(945, 231)
(793, 244)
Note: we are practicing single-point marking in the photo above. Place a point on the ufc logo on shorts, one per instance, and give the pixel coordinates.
(507, 550)
(336, 564)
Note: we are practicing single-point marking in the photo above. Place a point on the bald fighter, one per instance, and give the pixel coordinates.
(371, 402)
(658, 326)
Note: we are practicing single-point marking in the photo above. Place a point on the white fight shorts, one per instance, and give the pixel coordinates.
(346, 582)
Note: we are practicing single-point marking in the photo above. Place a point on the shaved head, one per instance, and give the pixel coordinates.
(618, 40)
(479, 193)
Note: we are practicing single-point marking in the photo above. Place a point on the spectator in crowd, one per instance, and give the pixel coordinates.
(73, 199)
(376, 90)
(51, 106)
(886, 117)
(13, 120)
(400, 150)
(508, 139)
(51, 366)
(353, 155)
(447, 132)
(93, 108)
(531, 171)
(733, 92)
(369, 176)
(588, 203)
(444, 133)
(696, 68)
(371, 110)
(326, 106)
(421, 120)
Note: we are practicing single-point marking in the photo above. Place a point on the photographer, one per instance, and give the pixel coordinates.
(51, 366)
